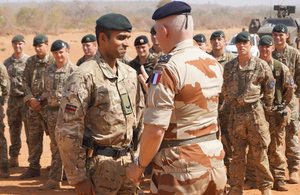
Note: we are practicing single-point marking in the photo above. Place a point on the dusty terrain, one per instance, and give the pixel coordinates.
(14, 185)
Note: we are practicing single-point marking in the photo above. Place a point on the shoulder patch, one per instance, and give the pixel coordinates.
(156, 75)
(70, 109)
(271, 84)
(292, 81)
(165, 58)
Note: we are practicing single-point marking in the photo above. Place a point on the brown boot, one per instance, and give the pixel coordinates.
(4, 172)
(50, 184)
(280, 185)
(31, 173)
(235, 191)
(250, 184)
(266, 192)
(294, 177)
(13, 161)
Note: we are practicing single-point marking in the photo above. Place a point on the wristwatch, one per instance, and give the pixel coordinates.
(138, 163)
(40, 99)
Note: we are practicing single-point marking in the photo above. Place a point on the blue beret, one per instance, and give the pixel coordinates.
(266, 40)
(172, 8)
(58, 45)
(39, 39)
(243, 37)
(88, 38)
(114, 22)
(281, 28)
(199, 38)
(141, 40)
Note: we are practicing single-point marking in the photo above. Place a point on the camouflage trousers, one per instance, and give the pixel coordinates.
(35, 136)
(56, 163)
(16, 114)
(250, 128)
(111, 176)
(3, 144)
(189, 169)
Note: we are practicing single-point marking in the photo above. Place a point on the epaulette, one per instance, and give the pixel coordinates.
(165, 58)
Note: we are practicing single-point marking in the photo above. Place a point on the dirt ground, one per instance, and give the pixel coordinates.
(14, 185)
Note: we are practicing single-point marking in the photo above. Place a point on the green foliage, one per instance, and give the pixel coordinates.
(29, 17)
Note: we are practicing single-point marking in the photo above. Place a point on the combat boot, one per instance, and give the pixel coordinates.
(266, 192)
(235, 191)
(31, 173)
(4, 172)
(50, 184)
(294, 177)
(250, 184)
(280, 185)
(13, 161)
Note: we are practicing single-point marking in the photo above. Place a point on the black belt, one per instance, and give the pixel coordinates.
(247, 108)
(173, 143)
(114, 152)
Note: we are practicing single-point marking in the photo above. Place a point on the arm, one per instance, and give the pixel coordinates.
(268, 84)
(287, 84)
(4, 84)
(297, 73)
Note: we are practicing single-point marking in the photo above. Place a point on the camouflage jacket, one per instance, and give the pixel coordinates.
(149, 65)
(157, 56)
(126, 59)
(4, 84)
(290, 57)
(80, 61)
(226, 57)
(100, 104)
(54, 81)
(244, 86)
(15, 69)
(33, 75)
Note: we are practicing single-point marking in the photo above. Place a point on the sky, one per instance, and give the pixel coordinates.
(233, 3)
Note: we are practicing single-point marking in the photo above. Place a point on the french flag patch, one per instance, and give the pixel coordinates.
(70, 109)
(156, 75)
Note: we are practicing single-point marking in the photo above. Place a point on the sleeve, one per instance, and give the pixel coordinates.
(287, 84)
(4, 84)
(140, 102)
(268, 85)
(297, 73)
(27, 81)
(70, 126)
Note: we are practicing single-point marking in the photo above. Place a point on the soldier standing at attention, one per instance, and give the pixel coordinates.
(155, 50)
(101, 106)
(4, 85)
(34, 87)
(247, 81)
(182, 111)
(16, 108)
(201, 41)
(55, 77)
(89, 47)
(291, 58)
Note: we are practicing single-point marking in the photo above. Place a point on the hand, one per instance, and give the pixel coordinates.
(143, 78)
(85, 188)
(35, 104)
(136, 173)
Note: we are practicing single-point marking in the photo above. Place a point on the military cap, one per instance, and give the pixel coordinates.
(58, 45)
(114, 22)
(281, 28)
(39, 39)
(152, 31)
(217, 33)
(88, 38)
(172, 8)
(266, 40)
(141, 40)
(243, 37)
(67, 45)
(199, 38)
(18, 38)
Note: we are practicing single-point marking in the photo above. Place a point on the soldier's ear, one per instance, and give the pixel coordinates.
(102, 38)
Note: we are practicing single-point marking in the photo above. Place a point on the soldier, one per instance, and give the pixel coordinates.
(4, 84)
(55, 77)
(181, 117)
(101, 106)
(33, 86)
(247, 81)
(201, 41)
(155, 50)
(144, 57)
(16, 108)
(277, 117)
(89, 47)
(291, 58)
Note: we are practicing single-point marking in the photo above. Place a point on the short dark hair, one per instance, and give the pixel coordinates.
(99, 30)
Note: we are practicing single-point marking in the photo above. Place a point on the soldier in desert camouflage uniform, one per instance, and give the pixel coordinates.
(16, 108)
(101, 106)
(55, 77)
(182, 111)
(34, 87)
(89, 47)
(155, 50)
(291, 58)
(4, 85)
(247, 80)
(201, 41)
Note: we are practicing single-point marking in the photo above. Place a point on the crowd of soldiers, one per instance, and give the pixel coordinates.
(110, 117)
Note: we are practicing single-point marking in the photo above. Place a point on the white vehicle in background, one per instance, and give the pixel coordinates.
(231, 48)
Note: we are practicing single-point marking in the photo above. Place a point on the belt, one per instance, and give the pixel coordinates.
(173, 143)
(113, 152)
(53, 108)
(247, 108)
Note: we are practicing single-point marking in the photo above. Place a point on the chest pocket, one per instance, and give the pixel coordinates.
(39, 72)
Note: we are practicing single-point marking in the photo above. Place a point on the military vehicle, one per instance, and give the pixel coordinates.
(283, 17)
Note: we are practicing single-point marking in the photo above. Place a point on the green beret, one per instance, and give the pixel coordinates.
(266, 40)
(18, 38)
(243, 37)
(57, 45)
(88, 38)
(141, 40)
(281, 28)
(67, 45)
(114, 22)
(152, 31)
(199, 38)
(39, 39)
(217, 33)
